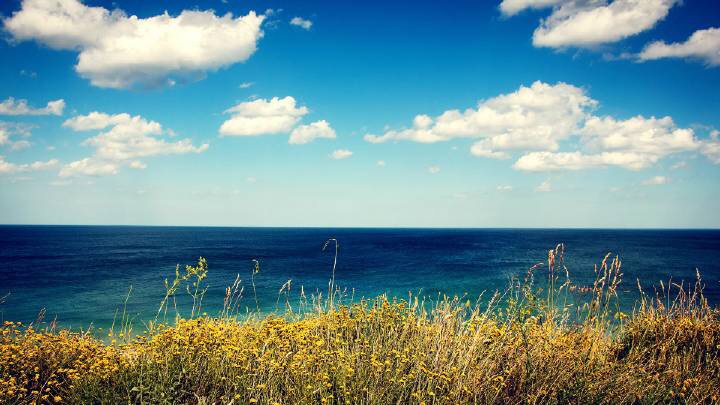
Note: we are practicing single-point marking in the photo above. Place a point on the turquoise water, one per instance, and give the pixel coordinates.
(81, 274)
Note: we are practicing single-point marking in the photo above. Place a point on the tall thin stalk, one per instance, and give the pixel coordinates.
(331, 284)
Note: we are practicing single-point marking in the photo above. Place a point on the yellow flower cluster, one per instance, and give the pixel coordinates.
(40, 367)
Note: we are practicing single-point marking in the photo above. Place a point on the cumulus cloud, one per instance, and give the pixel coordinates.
(540, 120)
(14, 168)
(307, 133)
(274, 116)
(588, 23)
(15, 135)
(635, 143)
(28, 73)
(504, 188)
(301, 22)
(10, 106)
(433, 169)
(89, 166)
(340, 154)
(703, 45)
(654, 136)
(512, 7)
(381, 163)
(20, 145)
(554, 161)
(120, 51)
(262, 117)
(544, 187)
(711, 147)
(679, 165)
(96, 120)
(123, 139)
(656, 181)
(136, 164)
(535, 117)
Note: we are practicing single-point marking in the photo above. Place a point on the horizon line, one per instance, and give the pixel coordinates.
(375, 227)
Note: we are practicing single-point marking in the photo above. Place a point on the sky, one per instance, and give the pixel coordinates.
(507, 113)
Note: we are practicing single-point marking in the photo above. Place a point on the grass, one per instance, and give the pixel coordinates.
(524, 345)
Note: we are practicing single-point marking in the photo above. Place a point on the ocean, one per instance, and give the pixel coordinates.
(80, 275)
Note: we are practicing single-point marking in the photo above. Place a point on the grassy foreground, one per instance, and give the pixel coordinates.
(526, 345)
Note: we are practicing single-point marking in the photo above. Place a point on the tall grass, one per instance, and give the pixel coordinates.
(544, 339)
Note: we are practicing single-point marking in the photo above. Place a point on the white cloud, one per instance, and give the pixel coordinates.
(702, 45)
(20, 107)
(274, 116)
(555, 161)
(380, 163)
(484, 149)
(550, 161)
(89, 167)
(504, 188)
(679, 165)
(301, 22)
(269, 12)
(95, 120)
(544, 187)
(9, 133)
(711, 147)
(246, 85)
(13, 168)
(43, 165)
(540, 120)
(136, 164)
(588, 23)
(20, 145)
(307, 133)
(635, 143)
(651, 138)
(512, 7)
(251, 179)
(433, 169)
(125, 139)
(119, 51)
(535, 117)
(656, 181)
(340, 154)
(28, 73)
(262, 117)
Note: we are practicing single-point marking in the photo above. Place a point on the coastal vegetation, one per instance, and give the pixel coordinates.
(543, 340)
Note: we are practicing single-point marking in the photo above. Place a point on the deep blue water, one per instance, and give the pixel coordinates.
(82, 273)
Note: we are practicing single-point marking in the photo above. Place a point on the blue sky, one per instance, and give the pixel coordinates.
(521, 113)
